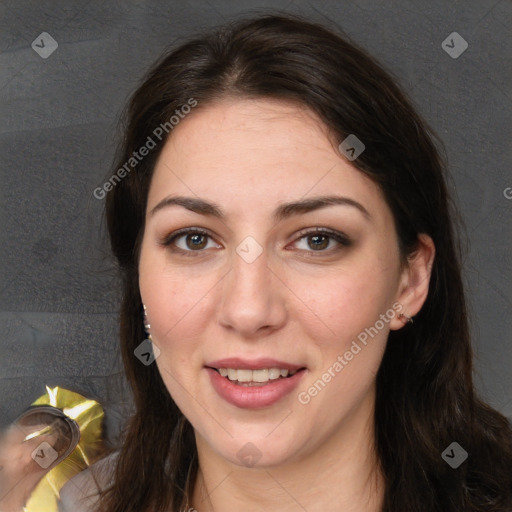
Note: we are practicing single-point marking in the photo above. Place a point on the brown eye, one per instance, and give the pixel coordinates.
(318, 242)
(196, 241)
(321, 240)
(190, 240)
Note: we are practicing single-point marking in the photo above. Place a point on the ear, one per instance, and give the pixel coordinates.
(414, 281)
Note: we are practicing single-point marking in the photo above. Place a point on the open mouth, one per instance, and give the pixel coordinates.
(260, 377)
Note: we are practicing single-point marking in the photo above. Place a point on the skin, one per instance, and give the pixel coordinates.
(19, 471)
(294, 303)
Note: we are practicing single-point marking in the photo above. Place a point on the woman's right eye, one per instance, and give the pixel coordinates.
(190, 240)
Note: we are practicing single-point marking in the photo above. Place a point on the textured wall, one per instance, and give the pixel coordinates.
(58, 303)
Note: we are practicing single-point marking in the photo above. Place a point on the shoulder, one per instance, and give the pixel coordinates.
(80, 493)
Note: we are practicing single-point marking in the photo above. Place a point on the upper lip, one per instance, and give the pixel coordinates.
(253, 364)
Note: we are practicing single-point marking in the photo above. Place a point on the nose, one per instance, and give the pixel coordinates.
(253, 299)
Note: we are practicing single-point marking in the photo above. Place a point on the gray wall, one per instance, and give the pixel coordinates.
(58, 303)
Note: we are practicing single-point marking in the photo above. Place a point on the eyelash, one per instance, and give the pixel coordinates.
(342, 239)
(339, 237)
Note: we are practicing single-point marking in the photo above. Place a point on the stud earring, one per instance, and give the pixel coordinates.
(407, 319)
(147, 325)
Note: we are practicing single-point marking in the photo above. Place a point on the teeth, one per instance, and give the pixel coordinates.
(258, 375)
(274, 373)
(263, 375)
(243, 375)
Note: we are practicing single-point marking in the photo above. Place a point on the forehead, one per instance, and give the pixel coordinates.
(233, 128)
(256, 151)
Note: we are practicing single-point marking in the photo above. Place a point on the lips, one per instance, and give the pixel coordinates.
(254, 364)
(251, 394)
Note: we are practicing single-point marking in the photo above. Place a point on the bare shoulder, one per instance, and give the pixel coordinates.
(80, 493)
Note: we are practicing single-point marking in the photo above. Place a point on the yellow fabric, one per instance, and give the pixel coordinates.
(89, 416)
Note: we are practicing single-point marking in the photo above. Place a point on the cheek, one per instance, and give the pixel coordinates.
(339, 306)
(176, 313)
(177, 304)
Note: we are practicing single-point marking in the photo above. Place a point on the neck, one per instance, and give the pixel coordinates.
(342, 473)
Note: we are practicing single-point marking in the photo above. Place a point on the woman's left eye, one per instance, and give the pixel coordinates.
(320, 240)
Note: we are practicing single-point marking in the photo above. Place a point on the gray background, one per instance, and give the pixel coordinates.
(58, 302)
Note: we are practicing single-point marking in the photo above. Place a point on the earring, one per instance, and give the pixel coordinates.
(147, 325)
(407, 319)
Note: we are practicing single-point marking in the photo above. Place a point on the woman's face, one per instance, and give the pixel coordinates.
(291, 263)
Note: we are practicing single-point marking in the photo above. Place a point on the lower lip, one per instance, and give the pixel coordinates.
(253, 397)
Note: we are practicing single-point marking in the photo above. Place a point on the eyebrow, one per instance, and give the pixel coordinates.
(282, 212)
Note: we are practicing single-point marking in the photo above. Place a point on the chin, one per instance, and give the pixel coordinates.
(256, 451)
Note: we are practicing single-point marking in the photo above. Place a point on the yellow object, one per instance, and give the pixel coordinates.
(88, 414)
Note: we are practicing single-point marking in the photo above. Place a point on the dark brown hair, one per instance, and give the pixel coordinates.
(425, 393)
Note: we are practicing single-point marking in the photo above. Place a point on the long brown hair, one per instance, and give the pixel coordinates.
(425, 393)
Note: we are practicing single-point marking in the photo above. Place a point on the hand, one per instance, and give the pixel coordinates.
(19, 470)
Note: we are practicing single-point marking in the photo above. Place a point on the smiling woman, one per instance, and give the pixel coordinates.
(264, 248)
